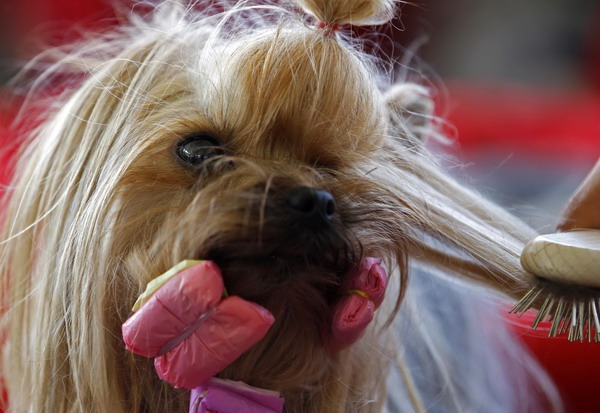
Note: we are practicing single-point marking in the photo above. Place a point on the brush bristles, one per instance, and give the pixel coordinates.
(578, 316)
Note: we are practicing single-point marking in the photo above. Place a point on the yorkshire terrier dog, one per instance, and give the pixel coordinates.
(261, 138)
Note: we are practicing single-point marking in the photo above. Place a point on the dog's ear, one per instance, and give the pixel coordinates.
(410, 111)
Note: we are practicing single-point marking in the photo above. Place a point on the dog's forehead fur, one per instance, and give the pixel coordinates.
(271, 100)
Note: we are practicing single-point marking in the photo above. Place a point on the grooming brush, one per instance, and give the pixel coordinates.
(567, 283)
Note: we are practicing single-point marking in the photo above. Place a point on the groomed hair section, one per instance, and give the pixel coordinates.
(312, 97)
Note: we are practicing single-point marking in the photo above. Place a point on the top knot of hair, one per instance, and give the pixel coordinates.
(355, 12)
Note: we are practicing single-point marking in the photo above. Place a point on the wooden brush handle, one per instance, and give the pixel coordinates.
(566, 257)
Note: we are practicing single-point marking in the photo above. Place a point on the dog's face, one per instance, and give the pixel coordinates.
(265, 170)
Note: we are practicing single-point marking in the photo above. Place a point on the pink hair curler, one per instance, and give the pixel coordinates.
(226, 396)
(191, 331)
(364, 290)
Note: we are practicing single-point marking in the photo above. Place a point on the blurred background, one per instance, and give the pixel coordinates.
(518, 82)
(523, 94)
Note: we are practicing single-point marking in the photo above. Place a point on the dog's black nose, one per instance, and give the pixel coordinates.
(313, 204)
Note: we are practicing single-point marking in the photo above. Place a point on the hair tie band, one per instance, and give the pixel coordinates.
(357, 292)
(329, 28)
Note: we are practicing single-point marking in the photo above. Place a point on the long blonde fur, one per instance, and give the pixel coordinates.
(99, 204)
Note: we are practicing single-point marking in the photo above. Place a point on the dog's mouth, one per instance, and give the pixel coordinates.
(261, 272)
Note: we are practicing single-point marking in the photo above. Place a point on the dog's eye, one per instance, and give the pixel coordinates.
(196, 149)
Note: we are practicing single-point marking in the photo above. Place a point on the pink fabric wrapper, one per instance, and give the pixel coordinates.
(190, 331)
(177, 304)
(235, 326)
(353, 313)
(225, 396)
(370, 277)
